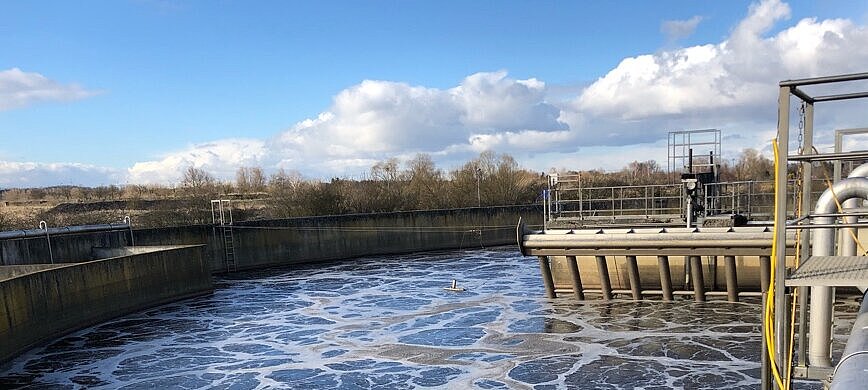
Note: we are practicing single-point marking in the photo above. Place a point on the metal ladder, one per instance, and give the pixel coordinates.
(229, 248)
(221, 215)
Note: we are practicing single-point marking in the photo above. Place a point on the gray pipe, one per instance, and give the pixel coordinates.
(822, 298)
(850, 373)
(29, 233)
(848, 246)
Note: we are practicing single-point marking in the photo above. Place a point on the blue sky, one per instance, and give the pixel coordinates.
(133, 91)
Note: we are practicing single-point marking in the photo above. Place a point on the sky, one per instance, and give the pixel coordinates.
(134, 92)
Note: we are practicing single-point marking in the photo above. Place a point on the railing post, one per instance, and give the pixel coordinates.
(44, 226)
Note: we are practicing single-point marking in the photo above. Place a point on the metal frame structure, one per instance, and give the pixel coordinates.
(839, 144)
(682, 142)
(806, 157)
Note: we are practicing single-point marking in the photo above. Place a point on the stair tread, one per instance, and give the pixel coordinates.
(831, 271)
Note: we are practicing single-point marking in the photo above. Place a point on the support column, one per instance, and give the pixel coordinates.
(698, 280)
(633, 273)
(605, 284)
(578, 291)
(665, 277)
(731, 279)
(780, 216)
(546, 271)
(765, 272)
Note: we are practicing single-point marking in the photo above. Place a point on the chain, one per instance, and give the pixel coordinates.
(802, 109)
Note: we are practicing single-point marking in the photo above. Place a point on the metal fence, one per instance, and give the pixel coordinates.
(566, 199)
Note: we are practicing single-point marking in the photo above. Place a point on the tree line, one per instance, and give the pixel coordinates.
(490, 179)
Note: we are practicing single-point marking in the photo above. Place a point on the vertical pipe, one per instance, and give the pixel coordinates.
(780, 216)
(803, 326)
(848, 245)
(546, 271)
(665, 277)
(805, 234)
(605, 283)
(696, 275)
(578, 291)
(822, 298)
(633, 272)
(765, 370)
(731, 279)
(689, 160)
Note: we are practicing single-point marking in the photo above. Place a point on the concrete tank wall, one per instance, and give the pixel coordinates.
(298, 240)
(44, 304)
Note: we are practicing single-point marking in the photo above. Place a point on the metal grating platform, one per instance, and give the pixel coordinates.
(832, 271)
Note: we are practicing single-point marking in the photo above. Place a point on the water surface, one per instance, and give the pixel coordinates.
(389, 323)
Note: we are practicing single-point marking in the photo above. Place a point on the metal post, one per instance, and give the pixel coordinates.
(478, 193)
(689, 211)
(129, 223)
(749, 196)
(765, 370)
(44, 226)
(780, 216)
(803, 326)
(731, 279)
(698, 281)
(578, 291)
(546, 271)
(805, 234)
(605, 283)
(665, 277)
(633, 272)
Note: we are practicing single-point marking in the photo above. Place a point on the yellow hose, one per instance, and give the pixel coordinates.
(769, 309)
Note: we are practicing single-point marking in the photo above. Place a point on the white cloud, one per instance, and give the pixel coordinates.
(376, 119)
(32, 174)
(20, 89)
(730, 85)
(678, 29)
(719, 84)
(220, 158)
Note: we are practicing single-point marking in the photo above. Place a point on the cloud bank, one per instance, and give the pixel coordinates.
(19, 89)
(730, 85)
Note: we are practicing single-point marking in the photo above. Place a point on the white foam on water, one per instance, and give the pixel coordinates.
(388, 323)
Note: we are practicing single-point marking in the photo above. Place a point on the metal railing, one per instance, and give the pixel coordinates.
(566, 199)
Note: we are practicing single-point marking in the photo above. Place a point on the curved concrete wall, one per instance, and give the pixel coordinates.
(47, 303)
(297, 240)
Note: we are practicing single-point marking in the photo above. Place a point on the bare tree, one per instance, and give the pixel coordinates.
(425, 183)
(198, 181)
(250, 179)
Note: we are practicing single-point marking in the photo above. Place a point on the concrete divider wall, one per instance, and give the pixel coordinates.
(65, 248)
(297, 240)
(45, 304)
(309, 239)
(301, 240)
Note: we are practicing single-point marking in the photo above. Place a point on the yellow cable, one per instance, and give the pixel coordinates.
(769, 309)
